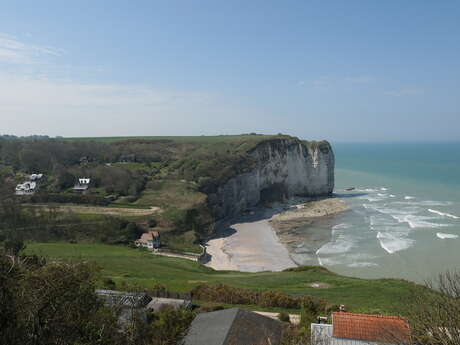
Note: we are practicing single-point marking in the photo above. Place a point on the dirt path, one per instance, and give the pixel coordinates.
(113, 211)
(293, 318)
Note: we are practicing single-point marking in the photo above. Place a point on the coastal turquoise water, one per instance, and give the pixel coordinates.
(404, 217)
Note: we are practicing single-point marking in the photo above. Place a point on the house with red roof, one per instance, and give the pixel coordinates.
(149, 240)
(361, 329)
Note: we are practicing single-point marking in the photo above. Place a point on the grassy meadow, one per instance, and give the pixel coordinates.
(141, 268)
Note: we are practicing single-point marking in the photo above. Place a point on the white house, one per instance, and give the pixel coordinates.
(30, 186)
(149, 240)
(26, 188)
(35, 177)
(361, 329)
(82, 185)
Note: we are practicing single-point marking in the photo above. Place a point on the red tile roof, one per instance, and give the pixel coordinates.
(148, 236)
(378, 328)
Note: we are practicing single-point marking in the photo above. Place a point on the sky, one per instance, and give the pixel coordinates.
(337, 70)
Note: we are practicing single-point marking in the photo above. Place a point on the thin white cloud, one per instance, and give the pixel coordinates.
(37, 96)
(14, 51)
(44, 106)
(408, 91)
(327, 82)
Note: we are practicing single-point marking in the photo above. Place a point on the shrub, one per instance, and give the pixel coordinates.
(283, 316)
(152, 222)
(227, 294)
(109, 284)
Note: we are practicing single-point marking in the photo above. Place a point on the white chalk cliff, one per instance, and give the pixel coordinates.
(283, 168)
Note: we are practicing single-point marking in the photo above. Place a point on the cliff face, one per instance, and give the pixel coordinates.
(283, 168)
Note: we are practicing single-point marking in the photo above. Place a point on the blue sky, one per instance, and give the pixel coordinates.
(339, 70)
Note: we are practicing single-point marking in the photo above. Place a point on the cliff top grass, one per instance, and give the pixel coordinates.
(143, 269)
(202, 139)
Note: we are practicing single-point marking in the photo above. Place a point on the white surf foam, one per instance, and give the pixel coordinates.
(424, 203)
(320, 261)
(392, 196)
(417, 221)
(328, 261)
(368, 190)
(371, 198)
(384, 188)
(407, 197)
(443, 236)
(393, 242)
(339, 245)
(362, 264)
(341, 226)
(442, 213)
(392, 211)
(378, 220)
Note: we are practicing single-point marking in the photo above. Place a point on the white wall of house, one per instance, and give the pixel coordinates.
(321, 334)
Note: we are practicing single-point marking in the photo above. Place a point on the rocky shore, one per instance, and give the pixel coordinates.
(306, 227)
(305, 213)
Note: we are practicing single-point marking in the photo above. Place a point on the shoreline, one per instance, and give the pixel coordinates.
(258, 241)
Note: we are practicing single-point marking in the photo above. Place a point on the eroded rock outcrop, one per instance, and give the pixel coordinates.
(283, 167)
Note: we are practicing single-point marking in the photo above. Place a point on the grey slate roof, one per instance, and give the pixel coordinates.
(159, 303)
(233, 327)
(123, 299)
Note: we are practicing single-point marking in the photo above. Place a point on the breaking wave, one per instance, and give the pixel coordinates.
(443, 213)
(443, 236)
(362, 264)
(393, 243)
(417, 221)
(341, 226)
(339, 246)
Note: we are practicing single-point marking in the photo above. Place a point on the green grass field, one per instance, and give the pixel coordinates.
(195, 139)
(141, 268)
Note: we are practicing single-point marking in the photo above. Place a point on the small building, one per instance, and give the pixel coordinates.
(149, 240)
(35, 177)
(361, 329)
(130, 305)
(26, 188)
(30, 186)
(158, 304)
(233, 326)
(129, 158)
(82, 185)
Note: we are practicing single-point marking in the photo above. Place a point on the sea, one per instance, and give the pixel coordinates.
(404, 211)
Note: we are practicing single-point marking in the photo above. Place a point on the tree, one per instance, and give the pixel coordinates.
(435, 312)
(170, 325)
(52, 303)
(14, 245)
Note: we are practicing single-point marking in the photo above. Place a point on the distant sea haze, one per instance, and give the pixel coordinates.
(404, 217)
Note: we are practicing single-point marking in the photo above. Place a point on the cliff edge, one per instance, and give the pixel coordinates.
(281, 168)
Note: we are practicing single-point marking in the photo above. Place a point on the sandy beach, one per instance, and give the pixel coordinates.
(251, 244)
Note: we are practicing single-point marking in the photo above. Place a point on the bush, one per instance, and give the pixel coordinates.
(226, 294)
(283, 316)
(69, 198)
(152, 222)
(170, 325)
(109, 284)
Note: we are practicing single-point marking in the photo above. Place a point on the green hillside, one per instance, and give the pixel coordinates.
(144, 269)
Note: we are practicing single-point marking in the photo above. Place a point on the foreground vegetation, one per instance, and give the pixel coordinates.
(134, 267)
